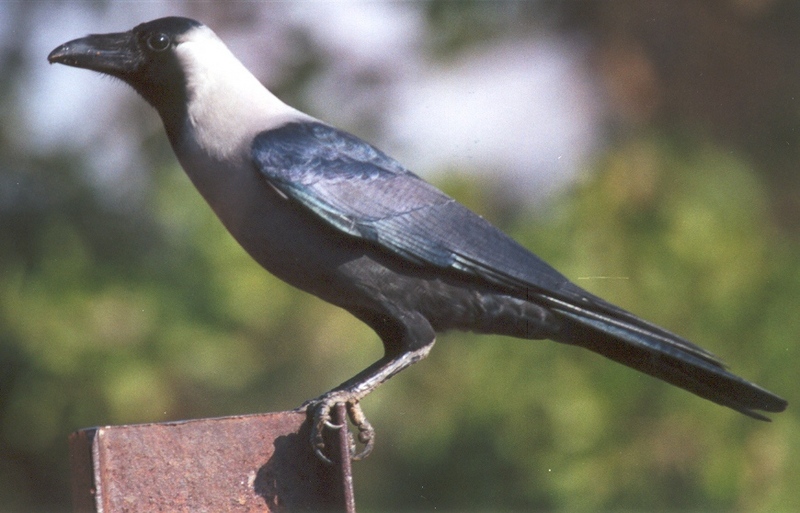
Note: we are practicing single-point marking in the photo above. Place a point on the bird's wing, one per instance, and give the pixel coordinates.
(364, 193)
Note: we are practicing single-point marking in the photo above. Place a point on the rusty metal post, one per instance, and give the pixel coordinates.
(230, 464)
(343, 456)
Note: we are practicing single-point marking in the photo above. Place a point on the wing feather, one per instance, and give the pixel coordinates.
(364, 193)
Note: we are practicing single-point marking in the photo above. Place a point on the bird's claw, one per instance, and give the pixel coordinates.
(366, 433)
(333, 426)
(322, 419)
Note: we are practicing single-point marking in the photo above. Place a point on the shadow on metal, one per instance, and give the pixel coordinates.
(238, 464)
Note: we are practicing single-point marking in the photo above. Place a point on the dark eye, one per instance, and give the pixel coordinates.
(158, 42)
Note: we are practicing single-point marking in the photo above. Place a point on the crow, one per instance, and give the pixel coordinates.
(332, 215)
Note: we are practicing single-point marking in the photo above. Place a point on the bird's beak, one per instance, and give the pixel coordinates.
(115, 54)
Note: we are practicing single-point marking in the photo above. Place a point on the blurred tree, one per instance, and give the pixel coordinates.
(726, 68)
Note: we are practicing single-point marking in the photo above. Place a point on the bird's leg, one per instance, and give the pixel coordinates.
(351, 392)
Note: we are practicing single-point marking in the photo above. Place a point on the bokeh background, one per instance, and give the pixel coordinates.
(649, 149)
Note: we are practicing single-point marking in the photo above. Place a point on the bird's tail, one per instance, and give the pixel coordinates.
(623, 337)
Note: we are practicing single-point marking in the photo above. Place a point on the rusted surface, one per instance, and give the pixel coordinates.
(238, 464)
(343, 460)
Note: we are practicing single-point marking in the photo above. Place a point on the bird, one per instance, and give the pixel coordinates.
(334, 216)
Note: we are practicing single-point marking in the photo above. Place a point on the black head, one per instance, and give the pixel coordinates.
(143, 57)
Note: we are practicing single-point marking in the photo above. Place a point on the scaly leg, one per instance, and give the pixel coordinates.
(351, 392)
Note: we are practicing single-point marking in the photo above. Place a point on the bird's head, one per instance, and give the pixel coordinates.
(188, 74)
(147, 57)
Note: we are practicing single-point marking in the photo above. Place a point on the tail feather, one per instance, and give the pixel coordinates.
(624, 338)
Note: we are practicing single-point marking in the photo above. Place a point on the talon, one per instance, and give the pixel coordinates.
(333, 426)
(318, 444)
(322, 418)
(321, 409)
(364, 453)
(366, 436)
(321, 456)
(366, 433)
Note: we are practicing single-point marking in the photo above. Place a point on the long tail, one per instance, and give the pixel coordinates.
(627, 339)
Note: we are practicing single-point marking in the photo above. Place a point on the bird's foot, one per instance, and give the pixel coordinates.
(350, 393)
(321, 408)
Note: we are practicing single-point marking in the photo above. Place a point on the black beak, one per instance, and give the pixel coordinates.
(114, 54)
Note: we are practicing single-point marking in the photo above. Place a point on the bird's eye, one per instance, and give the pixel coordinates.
(158, 42)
